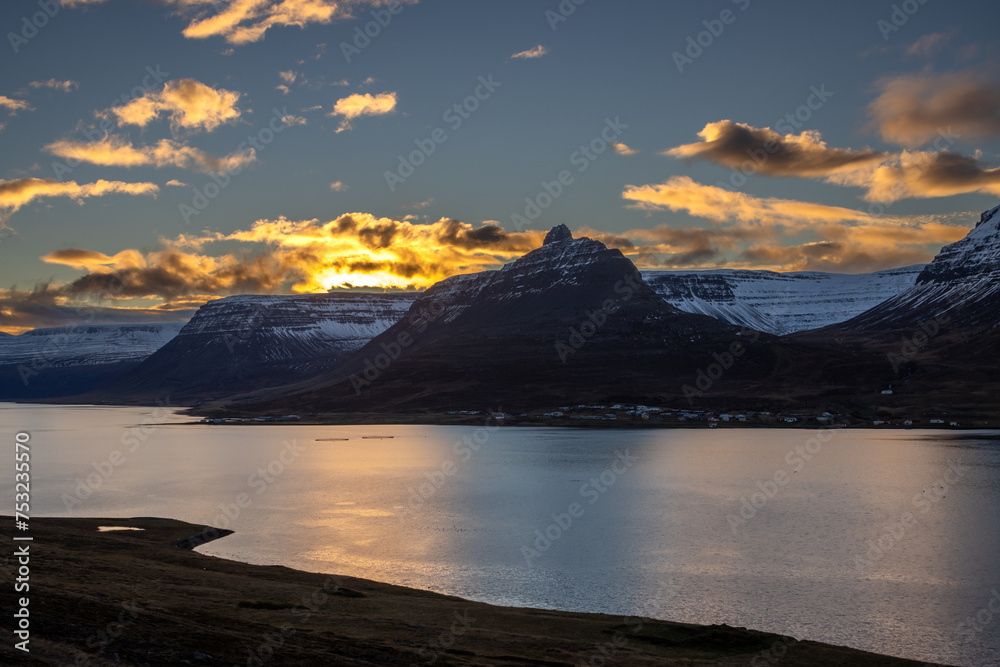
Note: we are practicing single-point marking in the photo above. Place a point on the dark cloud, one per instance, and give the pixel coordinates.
(764, 151)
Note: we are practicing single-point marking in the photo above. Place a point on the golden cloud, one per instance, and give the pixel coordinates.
(276, 256)
(190, 104)
(17, 193)
(681, 193)
(534, 52)
(112, 151)
(246, 21)
(12, 105)
(63, 86)
(754, 232)
(357, 105)
(913, 110)
(923, 174)
(623, 149)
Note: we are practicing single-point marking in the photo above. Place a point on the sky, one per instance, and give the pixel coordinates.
(158, 154)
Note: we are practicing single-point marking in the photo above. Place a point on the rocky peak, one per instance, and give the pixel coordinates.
(975, 256)
(557, 234)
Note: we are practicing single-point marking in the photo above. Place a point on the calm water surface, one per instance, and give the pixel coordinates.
(883, 540)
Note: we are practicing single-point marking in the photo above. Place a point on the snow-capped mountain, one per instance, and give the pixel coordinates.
(86, 345)
(960, 288)
(779, 303)
(63, 361)
(241, 343)
(570, 321)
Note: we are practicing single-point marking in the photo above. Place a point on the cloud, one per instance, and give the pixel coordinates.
(534, 52)
(338, 186)
(923, 174)
(764, 151)
(681, 193)
(623, 149)
(190, 104)
(277, 256)
(927, 44)
(44, 306)
(886, 177)
(912, 110)
(759, 232)
(112, 151)
(291, 120)
(64, 86)
(81, 3)
(17, 193)
(13, 105)
(354, 106)
(245, 21)
(173, 182)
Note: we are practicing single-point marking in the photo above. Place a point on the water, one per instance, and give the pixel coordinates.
(659, 531)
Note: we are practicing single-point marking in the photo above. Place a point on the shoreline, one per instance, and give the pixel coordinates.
(144, 597)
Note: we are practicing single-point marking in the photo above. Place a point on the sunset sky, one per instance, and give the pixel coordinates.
(159, 154)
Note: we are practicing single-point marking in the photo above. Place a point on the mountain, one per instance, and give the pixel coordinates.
(959, 286)
(571, 321)
(242, 342)
(62, 361)
(779, 303)
(939, 338)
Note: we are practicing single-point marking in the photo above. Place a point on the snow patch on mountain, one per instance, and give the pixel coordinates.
(86, 345)
(779, 303)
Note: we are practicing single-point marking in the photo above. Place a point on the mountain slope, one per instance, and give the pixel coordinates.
(571, 321)
(256, 341)
(62, 361)
(779, 303)
(941, 337)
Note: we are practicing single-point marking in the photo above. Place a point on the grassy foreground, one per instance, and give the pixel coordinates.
(143, 598)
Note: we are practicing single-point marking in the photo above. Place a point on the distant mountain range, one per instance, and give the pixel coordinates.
(570, 321)
(243, 342)
(779, 303)
(64, 361)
